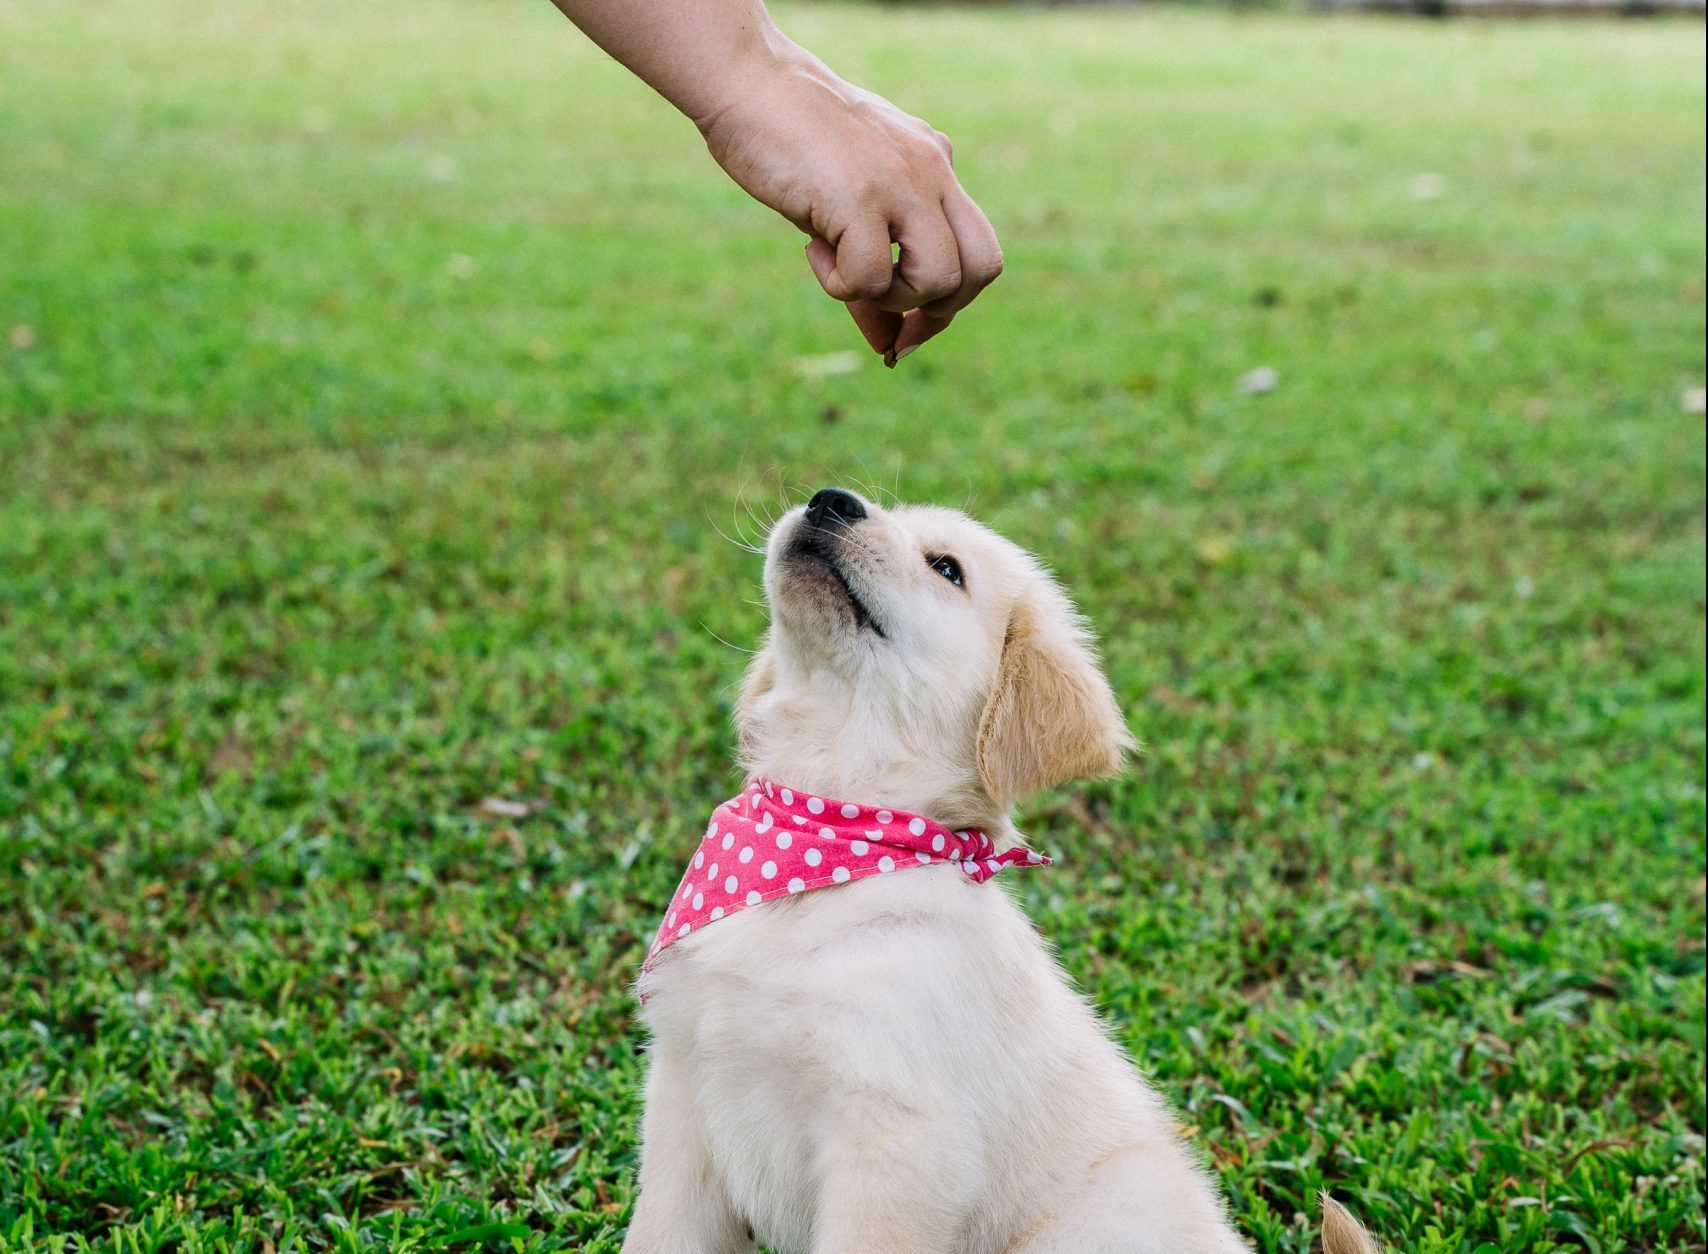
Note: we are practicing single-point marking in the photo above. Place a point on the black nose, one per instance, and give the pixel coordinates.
(830, 506)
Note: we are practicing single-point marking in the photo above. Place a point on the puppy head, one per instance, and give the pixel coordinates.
(917, 657)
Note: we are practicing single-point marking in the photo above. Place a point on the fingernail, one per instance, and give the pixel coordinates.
(904, 352)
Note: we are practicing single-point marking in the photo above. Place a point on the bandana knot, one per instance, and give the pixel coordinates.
(770, 841)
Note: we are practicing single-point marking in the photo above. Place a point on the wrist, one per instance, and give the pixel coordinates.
(766, 60)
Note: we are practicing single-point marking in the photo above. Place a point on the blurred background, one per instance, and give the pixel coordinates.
(385, 389)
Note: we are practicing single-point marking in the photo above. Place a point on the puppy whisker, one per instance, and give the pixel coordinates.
(714, 635)
(740, 543)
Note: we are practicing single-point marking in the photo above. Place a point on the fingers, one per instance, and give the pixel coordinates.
(930, 265)
(949, 254)
(917, 326)
(879, 326)
(857, 266)
(981, 263)
(981, 255)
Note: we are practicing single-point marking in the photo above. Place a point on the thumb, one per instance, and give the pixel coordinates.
(880, 327)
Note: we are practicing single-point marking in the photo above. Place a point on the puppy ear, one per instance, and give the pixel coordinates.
(761, 676)
(1342, 1234)
(1051, 717)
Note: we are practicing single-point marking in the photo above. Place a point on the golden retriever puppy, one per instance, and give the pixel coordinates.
(858, 1045)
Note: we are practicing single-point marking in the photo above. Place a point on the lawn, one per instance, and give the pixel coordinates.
(380, 383)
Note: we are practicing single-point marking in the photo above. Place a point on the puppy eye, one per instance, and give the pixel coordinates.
(949, 568)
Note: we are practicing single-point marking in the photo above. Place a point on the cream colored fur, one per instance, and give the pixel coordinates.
(898, 1065)
(1342, 1234)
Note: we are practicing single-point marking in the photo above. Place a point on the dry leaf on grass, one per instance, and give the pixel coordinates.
(1428, 187)
(504, 808)
(1260, 380)
(823, 365)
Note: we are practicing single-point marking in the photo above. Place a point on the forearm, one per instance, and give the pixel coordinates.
(697, 54)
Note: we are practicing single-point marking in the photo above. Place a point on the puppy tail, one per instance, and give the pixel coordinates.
(1342, 1234)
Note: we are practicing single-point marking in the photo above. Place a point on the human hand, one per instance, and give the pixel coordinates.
(857, 174)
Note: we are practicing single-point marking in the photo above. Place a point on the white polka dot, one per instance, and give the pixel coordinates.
(765, 822)
(784, 840)
(813, 857)
(886, 865)
(858, 848)
(994, 865)
(746, 855)
(815, 805)
(717, 912)
(1034, 857)
(923, 857)
(753, 897)
(769, 870)
(671, 921)
(850, 812)
(712, 830)
(970, 867)
(937, 843)
(686, 928)
(712, 874)
(729, 840)
(884, 816)
(840, 875)
(796, 885)
(699, 859)
(730, 885)
(699, 900)
(916, 826)
(826, 833)
(788, 797)
(799, 820)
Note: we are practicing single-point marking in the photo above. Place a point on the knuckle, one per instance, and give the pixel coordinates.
(944, 283)
(868, 286)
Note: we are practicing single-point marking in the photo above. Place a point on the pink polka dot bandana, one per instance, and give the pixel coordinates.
(771, 841)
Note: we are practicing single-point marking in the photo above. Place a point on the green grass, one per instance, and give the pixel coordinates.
(377, 378)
